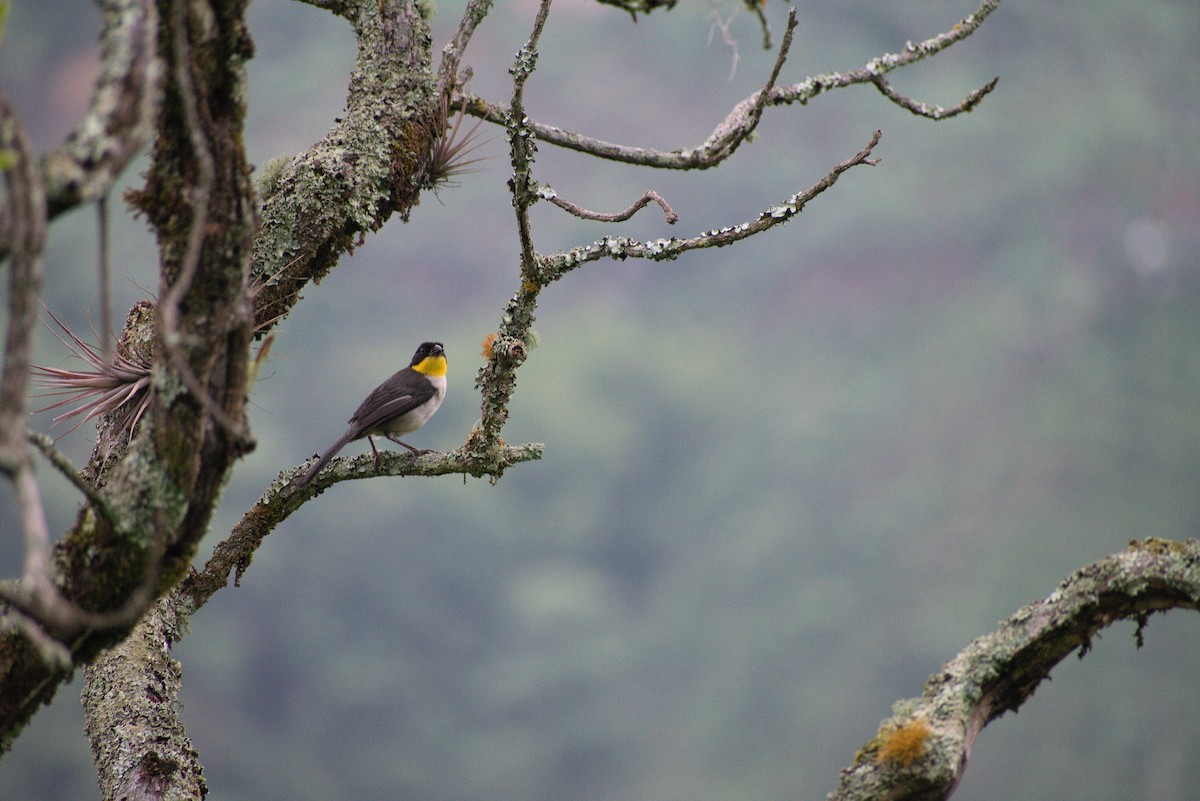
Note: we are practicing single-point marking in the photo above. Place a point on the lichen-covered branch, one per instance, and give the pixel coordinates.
(716, 148)
(319, 203)
(281, 499)
(506, 350)
(199, 198)
(131, 701)
(121, 118)
(108, 568)
(921, 751)
(521, 142)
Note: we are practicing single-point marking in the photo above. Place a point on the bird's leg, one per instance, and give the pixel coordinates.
(371, 439)
(415, 451)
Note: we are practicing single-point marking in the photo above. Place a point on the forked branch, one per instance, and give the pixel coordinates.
(742, 119)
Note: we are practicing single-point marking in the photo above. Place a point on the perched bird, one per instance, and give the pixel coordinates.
(396, 407)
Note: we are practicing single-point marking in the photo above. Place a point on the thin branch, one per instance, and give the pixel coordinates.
(452, 53)
(507, 348)
(67, 470)
(37, 534)
(40, 604)
(726, 139)
(496, 380)
(521, 142)
(121, 118)
(713, 151)
(922, 751)
(554, 267)
(50, 651)
(934, 112)
(650, 196)
(22, 238)
(756, 8)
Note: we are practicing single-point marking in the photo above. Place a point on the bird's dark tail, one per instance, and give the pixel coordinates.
(329, 453)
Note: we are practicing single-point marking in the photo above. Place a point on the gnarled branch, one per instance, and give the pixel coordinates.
(922, 750)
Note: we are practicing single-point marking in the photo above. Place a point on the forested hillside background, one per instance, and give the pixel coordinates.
(783, 482)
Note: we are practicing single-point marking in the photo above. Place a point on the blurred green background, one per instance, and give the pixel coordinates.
(783, 481)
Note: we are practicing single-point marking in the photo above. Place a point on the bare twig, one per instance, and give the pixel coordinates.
(51, 651)
(37, 534)
(554, 267)
(507, 349)
(721, 143)
(714, 151)
(934, 112)
(452, 53)
(41, 605)
(496, 380)
(650, 196)
(756, 8)
(36, 604)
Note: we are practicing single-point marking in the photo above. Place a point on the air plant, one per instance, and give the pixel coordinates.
(448, 155)
(118, 387)
(119, 384)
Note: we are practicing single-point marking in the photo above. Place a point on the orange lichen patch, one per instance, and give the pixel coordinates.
(906, 744)
(1157, 546)
(488, 341)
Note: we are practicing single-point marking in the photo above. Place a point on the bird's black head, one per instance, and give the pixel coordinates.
(427, 350)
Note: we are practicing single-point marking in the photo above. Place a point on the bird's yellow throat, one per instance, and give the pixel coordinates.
(433, 366)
